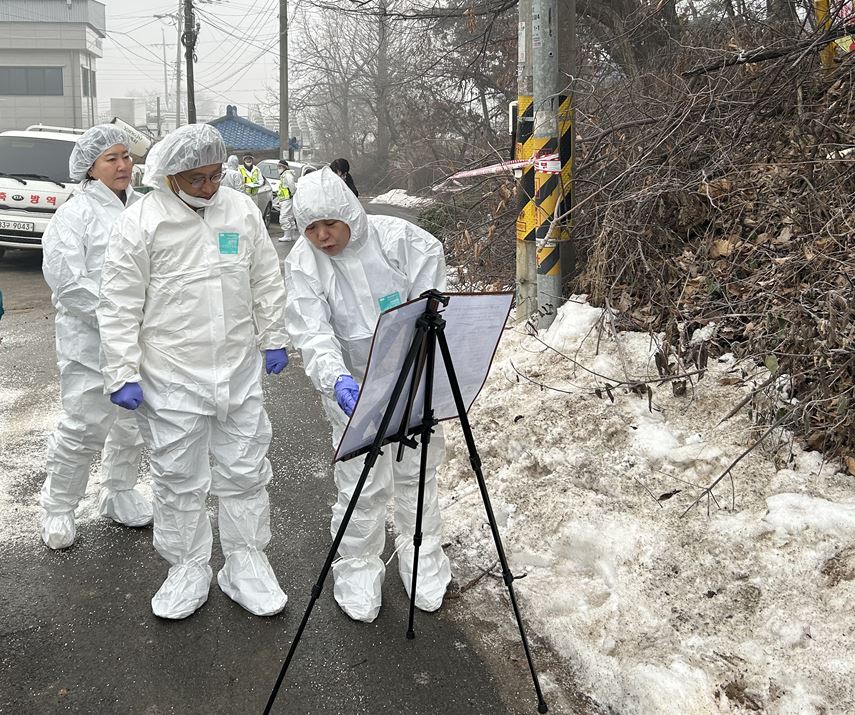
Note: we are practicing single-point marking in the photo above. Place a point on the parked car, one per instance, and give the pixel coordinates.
(34, 179)
(270, 170)
(34, 182)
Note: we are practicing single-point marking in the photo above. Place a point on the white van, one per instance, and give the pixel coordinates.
(33, 182)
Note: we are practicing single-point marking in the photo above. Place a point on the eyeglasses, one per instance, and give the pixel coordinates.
(197, 182)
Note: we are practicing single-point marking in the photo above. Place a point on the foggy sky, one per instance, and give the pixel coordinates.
(132, 61)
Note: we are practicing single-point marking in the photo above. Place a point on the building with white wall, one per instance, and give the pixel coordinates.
(48, 50)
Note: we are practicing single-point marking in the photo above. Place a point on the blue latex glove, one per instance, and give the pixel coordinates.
(275, 361)
(346, 393)
(128, 396)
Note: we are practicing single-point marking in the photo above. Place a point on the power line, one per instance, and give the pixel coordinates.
(132, 64)
(249, 37)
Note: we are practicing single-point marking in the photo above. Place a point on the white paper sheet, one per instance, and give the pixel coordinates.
(474, 324)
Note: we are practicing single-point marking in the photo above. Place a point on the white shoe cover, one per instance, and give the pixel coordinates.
(358, 586)
(127, 507)
(434, 573)
(185, 590)
(248, 579)
(58, 530)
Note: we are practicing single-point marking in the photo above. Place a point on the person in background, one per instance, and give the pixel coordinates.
(231, 175)
(351, 268)
(342, 169)
(192, 307)
(251, 175)
(73, 248)
(285, 194)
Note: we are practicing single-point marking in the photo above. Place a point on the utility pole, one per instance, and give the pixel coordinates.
(382, 90)
(526, 256)
(189, 40)
(176, 18)
(178, 65)
(284, 150)
(159, 125)
(553, 133)
(165, 79)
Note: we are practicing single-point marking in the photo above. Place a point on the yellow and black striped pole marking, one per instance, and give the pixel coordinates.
(823, 22)
(525, 150)
(565, 153)
(553, 197)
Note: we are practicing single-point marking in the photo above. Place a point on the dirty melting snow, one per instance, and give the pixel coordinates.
(399, 197)
(723, 610)
(28, 414)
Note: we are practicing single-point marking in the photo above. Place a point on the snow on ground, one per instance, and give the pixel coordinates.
(399, 197)
(723, 610)
(29, 410)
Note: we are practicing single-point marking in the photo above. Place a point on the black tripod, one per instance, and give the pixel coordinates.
(430, 331)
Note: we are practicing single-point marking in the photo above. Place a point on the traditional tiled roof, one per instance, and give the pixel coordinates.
(240, 134)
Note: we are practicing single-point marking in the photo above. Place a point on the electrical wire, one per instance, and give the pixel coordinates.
(249, 36)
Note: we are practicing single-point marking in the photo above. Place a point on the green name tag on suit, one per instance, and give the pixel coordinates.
(389, 301)
(229, 242)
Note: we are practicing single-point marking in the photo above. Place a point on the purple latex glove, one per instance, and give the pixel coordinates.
(275, 361)
(346, 393)
(128, 396)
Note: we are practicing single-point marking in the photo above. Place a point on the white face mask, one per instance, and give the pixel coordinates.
(197, 202)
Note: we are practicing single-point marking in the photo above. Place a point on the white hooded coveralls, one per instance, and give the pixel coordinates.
(188, 300)
(332, 308)
(231, 175)
(285, 205)
(73, 248)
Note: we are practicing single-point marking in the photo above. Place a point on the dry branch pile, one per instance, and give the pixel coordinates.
(717, 196)
(735, 206)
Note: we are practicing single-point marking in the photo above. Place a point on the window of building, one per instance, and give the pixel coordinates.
(34, 81)
(88, 81)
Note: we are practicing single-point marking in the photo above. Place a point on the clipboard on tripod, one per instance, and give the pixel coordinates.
(429, 360)
(473, 326)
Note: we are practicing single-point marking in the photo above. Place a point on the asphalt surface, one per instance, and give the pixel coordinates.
(76, 630)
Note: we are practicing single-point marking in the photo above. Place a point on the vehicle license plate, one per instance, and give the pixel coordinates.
(17, 226)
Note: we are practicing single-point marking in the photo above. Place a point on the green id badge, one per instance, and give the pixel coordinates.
(229, 242)
(389, 301)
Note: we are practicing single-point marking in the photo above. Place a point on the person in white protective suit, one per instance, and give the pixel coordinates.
(191, 296)
(73, 249)
(339, 278)
(285, 197)
(231, 175)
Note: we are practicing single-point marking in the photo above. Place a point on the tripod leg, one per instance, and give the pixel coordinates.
(475, 460)
(427, 428)
(318, 588)
(370, 460)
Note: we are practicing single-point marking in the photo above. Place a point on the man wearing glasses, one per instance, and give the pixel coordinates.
(191, 306)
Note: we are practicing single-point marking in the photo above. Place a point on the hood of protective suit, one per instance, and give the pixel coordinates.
(233, 162)
(324, 196)
(188, 147)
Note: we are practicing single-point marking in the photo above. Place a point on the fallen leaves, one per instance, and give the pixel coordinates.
(721, 247)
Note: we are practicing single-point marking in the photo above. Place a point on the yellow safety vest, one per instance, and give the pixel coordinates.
(250, 177)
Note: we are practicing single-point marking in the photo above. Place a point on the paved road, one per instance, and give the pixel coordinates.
(76, 631)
